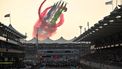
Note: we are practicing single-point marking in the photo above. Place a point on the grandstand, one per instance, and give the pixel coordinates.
(11, 49)
(55, 53)
(106, 42)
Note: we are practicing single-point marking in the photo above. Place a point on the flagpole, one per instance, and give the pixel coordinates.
(8, 15)
(10, 18)
(112, 5)
(121, 2)
(116, 2)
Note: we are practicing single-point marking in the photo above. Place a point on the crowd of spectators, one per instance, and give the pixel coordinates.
(109, 56)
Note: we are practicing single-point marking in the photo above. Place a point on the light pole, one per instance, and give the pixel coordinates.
(84, 29)
(36, 50)
(88, 24)
(37, 38)
(80, 29)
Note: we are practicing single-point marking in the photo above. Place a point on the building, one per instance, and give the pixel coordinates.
(59, 52)
(106, 42)
(11, 49)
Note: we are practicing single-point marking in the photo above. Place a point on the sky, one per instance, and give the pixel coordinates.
(24, 14)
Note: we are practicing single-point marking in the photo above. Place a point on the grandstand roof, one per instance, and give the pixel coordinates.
(12, 28)
(110, 25)
(10, 33)
(48, 40)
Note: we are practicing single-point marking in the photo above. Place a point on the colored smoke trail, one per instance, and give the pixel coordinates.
(46, 25)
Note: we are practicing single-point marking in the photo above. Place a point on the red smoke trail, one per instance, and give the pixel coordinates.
(44, 28)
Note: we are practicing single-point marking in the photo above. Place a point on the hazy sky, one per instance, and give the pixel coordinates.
(24, 15)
